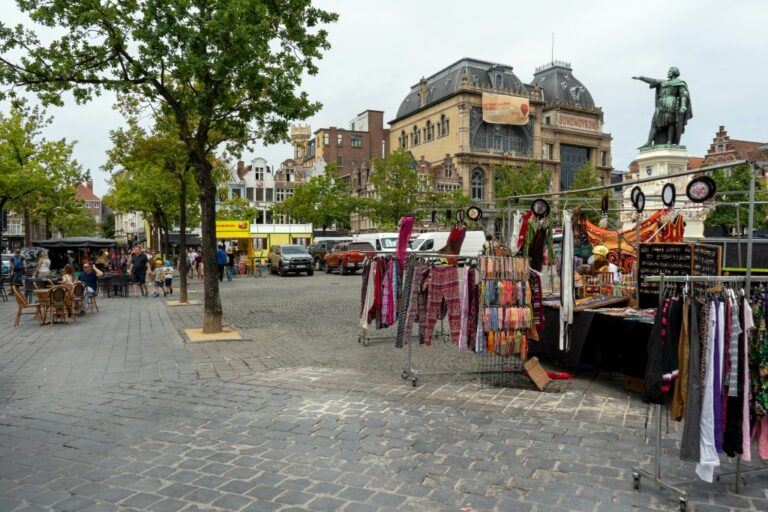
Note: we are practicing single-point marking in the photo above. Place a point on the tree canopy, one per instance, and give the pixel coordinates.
(736, 179)
(325, 201)
(511, 181)
(226, 70)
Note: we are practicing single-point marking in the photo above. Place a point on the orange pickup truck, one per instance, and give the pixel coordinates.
(348, 257)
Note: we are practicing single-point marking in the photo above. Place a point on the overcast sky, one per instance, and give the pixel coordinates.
(381, 48)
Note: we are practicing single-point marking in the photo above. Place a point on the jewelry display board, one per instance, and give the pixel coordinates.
(682, 259)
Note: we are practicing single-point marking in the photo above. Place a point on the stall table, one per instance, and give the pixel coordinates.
(608, 342)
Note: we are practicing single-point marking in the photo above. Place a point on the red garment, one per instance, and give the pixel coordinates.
(523, 230)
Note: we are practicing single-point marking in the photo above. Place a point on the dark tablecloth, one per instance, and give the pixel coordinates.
(605, 342)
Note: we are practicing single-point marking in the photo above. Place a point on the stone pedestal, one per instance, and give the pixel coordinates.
(660, 161)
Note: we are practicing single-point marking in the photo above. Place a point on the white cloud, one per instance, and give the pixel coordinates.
(381, 48)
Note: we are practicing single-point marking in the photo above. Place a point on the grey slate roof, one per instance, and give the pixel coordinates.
(556, 80)
(558, 84)
(447, 81)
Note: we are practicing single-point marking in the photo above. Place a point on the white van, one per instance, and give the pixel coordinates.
(382, 242)
(430, 242)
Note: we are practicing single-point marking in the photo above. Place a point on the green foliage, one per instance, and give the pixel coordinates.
(236, 208)
(737, 180)
(587, 177)
(510, 181)
(225, 71)
(324, 201)
(107, 228)
(36, 175)
(75, 222)
(400, 190)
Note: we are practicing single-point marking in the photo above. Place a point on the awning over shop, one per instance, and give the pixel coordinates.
(75, 243)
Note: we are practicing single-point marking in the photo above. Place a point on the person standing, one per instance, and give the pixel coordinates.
(168, 277)
(221, 260)
(138, 271)
(43, 266)
(18, 268)
(199, 264)
(230, 263)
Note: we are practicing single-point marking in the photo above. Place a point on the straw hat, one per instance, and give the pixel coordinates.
(600, 250)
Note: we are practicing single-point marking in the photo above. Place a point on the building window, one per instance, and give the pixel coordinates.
(249, 193)
(259, 244)
(649, 170)
(403, 139)
(548, 120)
(259, 194)
(258, 174)
(415, 136)
(443, 129)
(356, 141)
(430, 131)
(301, 240)
(279, 195)
(269, 196)
(236, 192)
(326, 139)
(720, 148)
(340, 161)
(448, 169)
(289, 175)
(478, 184)
(548, 150)
(339, 139)
(604, 158)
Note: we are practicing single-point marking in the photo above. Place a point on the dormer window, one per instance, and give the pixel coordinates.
(498, 80)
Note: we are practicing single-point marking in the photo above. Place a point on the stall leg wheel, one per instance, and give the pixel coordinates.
(360, 339)
(683, 504)
(415, 381)
(404, 375)
(636, 481)
(365, 342)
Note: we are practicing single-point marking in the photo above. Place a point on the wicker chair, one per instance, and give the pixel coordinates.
(58, 303)
(78, 296)
(92, 302)
(3, 293)
(24, 306)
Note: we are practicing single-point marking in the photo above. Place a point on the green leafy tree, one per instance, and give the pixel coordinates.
(400, 189)
(225, 70)
(732, 180)
(107, 227)
(75, 222)
(35, 174)
(236, 208)
(324, 201)
(587, 177)
(511, 181)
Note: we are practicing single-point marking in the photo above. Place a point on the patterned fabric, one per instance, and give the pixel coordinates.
(443, 288)
(414, 278)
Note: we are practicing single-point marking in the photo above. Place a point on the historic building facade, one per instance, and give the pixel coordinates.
(440, 122)
(724, 149)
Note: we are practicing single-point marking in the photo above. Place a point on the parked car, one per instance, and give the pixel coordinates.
(382, 242)
(320, 249)
(289, 258)
(348, 257)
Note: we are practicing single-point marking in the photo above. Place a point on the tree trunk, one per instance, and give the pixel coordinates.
(27, 228)
(212, 311)
(183, 238)
(2, 209)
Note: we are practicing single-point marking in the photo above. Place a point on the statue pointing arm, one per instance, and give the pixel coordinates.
(650, 81)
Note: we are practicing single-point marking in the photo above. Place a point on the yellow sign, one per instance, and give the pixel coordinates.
(232, 229)
(503, 109)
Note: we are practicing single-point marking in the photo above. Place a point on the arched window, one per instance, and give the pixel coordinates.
(415, 136)
(403, 139)
(478, 184)
(443, 130)
(430, 131)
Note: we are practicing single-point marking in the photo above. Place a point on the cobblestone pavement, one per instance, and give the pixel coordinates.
(116, 412)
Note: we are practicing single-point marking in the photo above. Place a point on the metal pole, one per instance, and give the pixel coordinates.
(750, 227)
(738, 233)
(657, 408)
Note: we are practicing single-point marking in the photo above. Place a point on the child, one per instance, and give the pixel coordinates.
(158, 277)
(168, 274)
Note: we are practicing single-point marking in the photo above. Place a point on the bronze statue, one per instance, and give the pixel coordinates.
(673, 108)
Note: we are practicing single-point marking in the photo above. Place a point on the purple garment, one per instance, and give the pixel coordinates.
(717, 403)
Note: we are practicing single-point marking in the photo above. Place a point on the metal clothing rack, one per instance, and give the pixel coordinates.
(656, 477)
(364, 337)
(408, 372)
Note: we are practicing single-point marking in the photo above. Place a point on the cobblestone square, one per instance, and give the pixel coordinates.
(117, 411)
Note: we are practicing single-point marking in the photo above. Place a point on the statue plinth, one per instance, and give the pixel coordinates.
(660, 161)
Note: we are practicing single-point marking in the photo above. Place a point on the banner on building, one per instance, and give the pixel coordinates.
(503, 109)
(232, 229)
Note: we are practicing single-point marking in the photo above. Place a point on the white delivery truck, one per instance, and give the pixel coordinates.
(382, 242)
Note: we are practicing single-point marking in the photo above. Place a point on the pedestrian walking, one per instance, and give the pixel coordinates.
(168, 277)
(18, 268)
(230, 263)
(159, 277)
(138, 271)
(221, 261)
